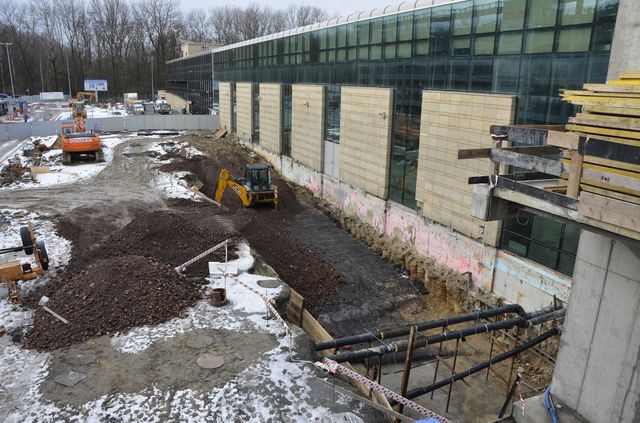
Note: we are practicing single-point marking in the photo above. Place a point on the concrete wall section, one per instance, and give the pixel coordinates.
(625, 54)
(225, 105)
(271, 117)
(307, 125)
(244, 99)
(451, 121)
(597, 370)
(365, 134)
(175, 101)
(527, 283)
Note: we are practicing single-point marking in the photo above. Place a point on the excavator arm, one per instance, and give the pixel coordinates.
(225, 179)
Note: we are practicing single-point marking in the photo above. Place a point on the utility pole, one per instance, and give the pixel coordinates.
(2, 73)
(13, 92)
(69, 78)
(41, 75)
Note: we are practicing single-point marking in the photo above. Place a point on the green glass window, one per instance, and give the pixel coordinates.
(376, 31)
(513, 15)
(405, 27)
(574, 39)
(542, 13)
(341, 55)
(577, 11)
(332, 113)
(461, 46)
(462, 13)
(390, 29)
(540, 41)
(352, 35)
(376, 53)
(459, 75)
(440, 21)
(422, 48)
(363, 53)
(510, 43)
(363, 33)
(483, 45)
(422, 24)
(286, 119)
(352, 53)
(331, 38)
(404, 50)
(390, 51)
(486, 16)
(342, 36)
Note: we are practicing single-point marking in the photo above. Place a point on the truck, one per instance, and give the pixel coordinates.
(162, 106)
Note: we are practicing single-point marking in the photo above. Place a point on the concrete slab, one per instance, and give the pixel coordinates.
(220, 269)
(70, 379)
(210, 361)
(535, 411)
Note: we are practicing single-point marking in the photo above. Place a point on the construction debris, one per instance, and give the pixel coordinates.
(107, 296)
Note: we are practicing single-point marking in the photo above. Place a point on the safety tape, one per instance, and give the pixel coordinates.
(183, 266)
(267, 301)
(335, 368)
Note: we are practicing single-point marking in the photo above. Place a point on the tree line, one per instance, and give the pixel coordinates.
(55, 42)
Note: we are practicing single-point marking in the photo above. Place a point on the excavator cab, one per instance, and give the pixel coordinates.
(258, 177)
(254, 189)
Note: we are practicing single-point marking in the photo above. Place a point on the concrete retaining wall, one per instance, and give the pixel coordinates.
(11, 131)
(225, 104)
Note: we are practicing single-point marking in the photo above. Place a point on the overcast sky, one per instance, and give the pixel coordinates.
(340, 7)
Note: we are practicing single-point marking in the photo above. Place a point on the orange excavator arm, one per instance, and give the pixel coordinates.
(225, 179)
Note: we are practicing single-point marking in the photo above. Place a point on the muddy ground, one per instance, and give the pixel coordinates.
(94, 215)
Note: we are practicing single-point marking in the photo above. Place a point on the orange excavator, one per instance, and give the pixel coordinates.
(77, 142)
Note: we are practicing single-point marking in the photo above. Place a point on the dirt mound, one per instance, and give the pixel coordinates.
(107, 296)
(165, 236)
(298, 264)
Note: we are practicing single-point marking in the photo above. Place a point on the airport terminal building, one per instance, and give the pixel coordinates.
(368, 112)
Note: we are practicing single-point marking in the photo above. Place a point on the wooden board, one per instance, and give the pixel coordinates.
(622, 103)
(610, 210)
(610, 110)
(525, 161)
(618, 122)
(482, 153)
(620, 133)
(613, 88)
(569, 140)
(611, 163)
(630, 75)
(295, 308)
(624, 82)
(609, 193)
(621, 93)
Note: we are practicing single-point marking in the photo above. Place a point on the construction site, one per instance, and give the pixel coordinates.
(338, 236)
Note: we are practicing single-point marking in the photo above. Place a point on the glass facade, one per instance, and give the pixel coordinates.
(287, 101)
(528, 48)
(332, 113)
(192, 79)
(255, 90)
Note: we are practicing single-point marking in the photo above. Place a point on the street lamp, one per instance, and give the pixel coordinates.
(13, 92)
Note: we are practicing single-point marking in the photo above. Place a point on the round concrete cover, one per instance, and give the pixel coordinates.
(198, 342)
(269, 283)
(210, 361)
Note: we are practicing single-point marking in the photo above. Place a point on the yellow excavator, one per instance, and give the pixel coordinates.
(256, 187)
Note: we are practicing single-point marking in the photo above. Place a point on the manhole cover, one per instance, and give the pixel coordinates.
(200, 341)
(269, 283)
(210, 361)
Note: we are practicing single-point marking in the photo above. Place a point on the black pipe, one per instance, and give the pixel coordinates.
(13, 249)
(537, 318)
(394, 332)
(479, 367)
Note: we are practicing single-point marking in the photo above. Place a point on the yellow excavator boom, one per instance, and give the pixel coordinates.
(225, 180)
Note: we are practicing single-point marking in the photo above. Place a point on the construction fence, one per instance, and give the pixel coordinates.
(12, 131)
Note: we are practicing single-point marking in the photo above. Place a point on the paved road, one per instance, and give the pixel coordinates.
(8, 148)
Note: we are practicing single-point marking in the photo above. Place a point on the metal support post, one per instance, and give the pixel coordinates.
(453, 372)
(408, 360)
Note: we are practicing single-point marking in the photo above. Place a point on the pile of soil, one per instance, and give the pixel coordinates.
(107, 296)
(165, 236)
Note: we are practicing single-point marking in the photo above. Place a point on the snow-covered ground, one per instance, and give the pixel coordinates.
(58, 173)
(275, 386)
(96, 112)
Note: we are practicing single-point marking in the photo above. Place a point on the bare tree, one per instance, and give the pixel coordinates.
(196, 26)
(305, 15)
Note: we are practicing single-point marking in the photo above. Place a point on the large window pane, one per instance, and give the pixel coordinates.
(352, 35)
(461, 46)
(404, 50)
(459, 75)
(513, 14)
(390, 29)
(440, 21)
(376, 31)
(604, 24)
(422, 48)
(507, 73)
(405, 27)
(462, 13)
(486, 12)
(547, 231)
(574, 39)
(510, 43)
(542, 13)
(482, 74)
(422, 23)
(363, 33)
(332, 113)
(577, 11)
(540, 41)
(483, 45)
(543, 255)
(342, 36)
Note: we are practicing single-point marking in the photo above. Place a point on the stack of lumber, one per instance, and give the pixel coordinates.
(610, 122)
